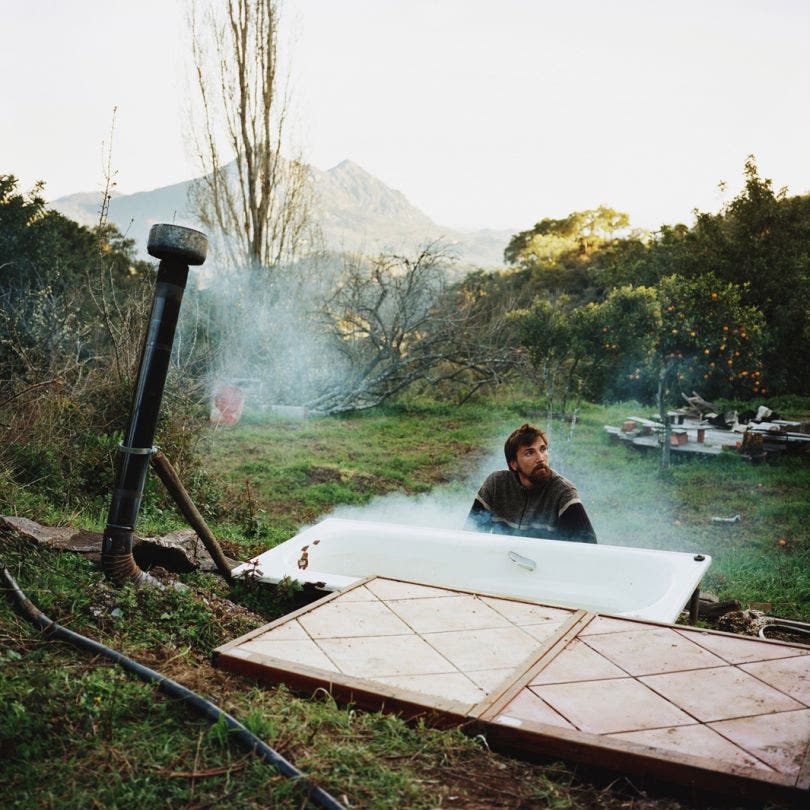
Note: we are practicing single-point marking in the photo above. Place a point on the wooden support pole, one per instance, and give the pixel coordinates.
(171, 480)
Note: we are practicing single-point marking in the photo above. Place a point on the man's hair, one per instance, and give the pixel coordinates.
(525, 435)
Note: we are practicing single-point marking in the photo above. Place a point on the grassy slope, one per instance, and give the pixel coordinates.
(76, 731)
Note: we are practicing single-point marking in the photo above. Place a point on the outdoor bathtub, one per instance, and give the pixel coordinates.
(630, 582)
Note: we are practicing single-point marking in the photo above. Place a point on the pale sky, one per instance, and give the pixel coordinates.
(484, 113)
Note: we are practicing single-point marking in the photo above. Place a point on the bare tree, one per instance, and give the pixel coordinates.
(250, 195)
(395, 323)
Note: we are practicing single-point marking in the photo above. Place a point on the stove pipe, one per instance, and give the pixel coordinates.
(177, 248)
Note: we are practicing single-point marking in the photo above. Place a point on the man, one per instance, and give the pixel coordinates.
(530, 499)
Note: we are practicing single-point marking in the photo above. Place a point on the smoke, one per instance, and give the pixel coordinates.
(444, 507)
(260, 331)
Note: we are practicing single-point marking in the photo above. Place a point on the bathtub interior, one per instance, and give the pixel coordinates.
(629, 582)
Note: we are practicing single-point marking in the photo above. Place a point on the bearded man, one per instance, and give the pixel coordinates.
(530, 499)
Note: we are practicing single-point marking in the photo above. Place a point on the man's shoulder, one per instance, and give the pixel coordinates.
(560, 485)
(499, 480)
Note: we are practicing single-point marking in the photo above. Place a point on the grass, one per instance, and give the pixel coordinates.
(78, 732)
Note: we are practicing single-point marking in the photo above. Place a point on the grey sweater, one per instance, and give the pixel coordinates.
(551, 509)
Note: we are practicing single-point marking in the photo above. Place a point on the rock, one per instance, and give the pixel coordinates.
(180, 551)
(63, 538)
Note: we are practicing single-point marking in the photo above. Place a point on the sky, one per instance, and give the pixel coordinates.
(484, 113)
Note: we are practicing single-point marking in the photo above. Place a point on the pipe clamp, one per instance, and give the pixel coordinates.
(136, 451)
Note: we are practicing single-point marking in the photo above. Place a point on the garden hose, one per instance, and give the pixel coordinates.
(241, 734)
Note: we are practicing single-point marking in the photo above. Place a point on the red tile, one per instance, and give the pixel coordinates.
(528, 708)
(609, 624)
(788, 675)
(721, 693)
(610, 706)
(738, 650)
(697, 740)
(781, 740)
(577, 662)
(651, 649)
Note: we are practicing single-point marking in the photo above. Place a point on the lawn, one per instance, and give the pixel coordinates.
(76, 731)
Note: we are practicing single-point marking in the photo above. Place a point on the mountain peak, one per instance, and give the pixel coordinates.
(355, 210)
(347, 165)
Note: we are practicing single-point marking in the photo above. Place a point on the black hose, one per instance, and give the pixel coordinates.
(241, 734)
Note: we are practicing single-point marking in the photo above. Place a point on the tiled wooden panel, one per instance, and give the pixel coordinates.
(706, 708)
(713, 705)
(431, 642)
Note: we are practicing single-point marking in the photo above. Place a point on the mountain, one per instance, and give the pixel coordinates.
(356, 211)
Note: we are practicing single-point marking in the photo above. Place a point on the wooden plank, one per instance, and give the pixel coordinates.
(803, 779)
(549, 650)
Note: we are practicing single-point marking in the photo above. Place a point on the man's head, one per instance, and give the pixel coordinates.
(526, 452)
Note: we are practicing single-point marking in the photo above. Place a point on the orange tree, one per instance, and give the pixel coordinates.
(710, 338)
(683, 334)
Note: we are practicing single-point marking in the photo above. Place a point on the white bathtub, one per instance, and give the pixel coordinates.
(631, 582)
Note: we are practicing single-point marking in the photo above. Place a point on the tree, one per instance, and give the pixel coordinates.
(556, 257)
(250, 196)
(759, 242)
(395, 323)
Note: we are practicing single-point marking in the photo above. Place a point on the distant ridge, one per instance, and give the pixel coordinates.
(356, 211)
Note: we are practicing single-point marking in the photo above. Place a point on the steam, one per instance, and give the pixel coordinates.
(444, 507)
(259, 330)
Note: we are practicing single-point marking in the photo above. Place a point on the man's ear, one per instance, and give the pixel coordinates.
(512, 465)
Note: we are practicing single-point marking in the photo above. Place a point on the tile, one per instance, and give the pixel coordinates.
(526, 707)
(338, 619)
(577, 662)
(697, 740)
(289, 631)
(781, 740)
(491, 679)
(359, 594)
(608, 624)
(719, 694)
(449, 686)
(437, 614)
(740, 650)
(472, 650)
(651, 649)
(788, 675)
(522, 613)
(388, 589)
(610, 706)
(301, 651)
(541, 632)
(384, 656)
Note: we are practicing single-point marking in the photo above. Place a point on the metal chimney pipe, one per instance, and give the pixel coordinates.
(177, 248)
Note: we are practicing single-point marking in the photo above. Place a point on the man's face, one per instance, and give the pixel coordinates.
(531, 463)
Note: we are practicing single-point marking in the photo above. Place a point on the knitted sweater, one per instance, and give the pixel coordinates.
(551, 509)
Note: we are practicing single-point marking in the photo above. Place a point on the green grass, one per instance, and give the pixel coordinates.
(298, 472)
(76, 731)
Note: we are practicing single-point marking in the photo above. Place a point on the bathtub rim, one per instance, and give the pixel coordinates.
(281, 562)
